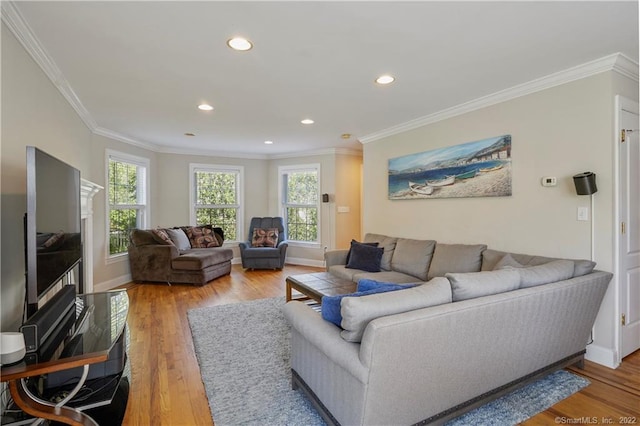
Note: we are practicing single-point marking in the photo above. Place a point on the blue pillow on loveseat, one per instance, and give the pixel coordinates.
(331, 304)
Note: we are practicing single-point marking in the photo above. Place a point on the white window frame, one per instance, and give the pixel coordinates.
(144, 191)
(219, 168)
(282, 170)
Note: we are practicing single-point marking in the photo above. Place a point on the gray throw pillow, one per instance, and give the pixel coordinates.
(557, 270)
(477, 284)
(179, 239)
(357, 312)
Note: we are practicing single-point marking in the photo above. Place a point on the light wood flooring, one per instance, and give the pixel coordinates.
(166, 388)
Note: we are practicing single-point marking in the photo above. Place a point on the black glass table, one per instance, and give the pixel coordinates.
(85, 336)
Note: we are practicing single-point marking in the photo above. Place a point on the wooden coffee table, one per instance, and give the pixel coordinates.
(314, 286)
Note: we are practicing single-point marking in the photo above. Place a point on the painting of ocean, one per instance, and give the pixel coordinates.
(474, 169)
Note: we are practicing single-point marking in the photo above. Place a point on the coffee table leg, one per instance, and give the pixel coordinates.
(288, 292)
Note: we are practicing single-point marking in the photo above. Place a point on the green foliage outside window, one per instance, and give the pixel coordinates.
(301, 205)
(124, 208)
(217, 201)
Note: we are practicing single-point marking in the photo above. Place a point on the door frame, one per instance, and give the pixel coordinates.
(626, 104)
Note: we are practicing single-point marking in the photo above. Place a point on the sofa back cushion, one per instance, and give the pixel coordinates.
(358, 312)
(413, 257)
(142, 237)
(456, 258)
(387, 243)
(490, 259)
(549, 272)
(477, 284)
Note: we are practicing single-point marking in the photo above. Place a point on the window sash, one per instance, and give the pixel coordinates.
(306, 230)
(129, 211)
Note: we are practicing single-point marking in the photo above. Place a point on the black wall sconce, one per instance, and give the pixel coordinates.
(325, 198)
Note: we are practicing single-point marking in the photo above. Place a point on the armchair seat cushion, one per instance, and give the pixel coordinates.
(261, 252)
(198, 259)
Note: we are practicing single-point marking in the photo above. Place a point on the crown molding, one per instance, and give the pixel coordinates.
(12, 18)
(18, 26)
(614, 62)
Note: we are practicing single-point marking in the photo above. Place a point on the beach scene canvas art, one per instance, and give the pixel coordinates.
(474, 169)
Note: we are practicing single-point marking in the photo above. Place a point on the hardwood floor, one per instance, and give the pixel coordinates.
(166, 388)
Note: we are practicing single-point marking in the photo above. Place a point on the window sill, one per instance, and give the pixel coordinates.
(304, 244)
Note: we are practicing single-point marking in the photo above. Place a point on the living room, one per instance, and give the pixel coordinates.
(561, 124)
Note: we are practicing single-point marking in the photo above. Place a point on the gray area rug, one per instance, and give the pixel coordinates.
(243, 352)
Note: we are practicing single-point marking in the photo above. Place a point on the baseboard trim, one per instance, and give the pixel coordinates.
(304, 262)
(603, 356)
(113, 283)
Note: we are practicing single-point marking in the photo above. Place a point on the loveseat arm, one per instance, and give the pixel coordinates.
(151, 262)
(326, 338)
(335, 257)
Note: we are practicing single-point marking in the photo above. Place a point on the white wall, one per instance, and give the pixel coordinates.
(33, 113)
(556, 132)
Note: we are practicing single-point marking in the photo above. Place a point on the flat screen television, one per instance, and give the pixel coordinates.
(53, 237)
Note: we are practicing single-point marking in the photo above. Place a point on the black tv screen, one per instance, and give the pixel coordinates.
(52, 226)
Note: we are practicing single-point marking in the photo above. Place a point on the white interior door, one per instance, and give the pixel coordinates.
(629, 249)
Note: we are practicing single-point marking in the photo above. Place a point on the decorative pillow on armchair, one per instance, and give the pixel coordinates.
(264, 237)
(161, 236)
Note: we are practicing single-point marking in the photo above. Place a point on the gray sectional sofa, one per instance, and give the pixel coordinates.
(479, 322)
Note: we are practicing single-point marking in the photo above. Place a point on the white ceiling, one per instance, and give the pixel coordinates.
(139, 69)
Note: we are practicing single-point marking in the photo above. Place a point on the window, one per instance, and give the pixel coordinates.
(216, 198)
(299, 198)
(127, 198)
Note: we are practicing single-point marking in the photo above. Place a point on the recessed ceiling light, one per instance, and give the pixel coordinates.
(307, 121)
(239, 43)
(268, 142)
(205, 107)
(385, 79)
(189, 134)
(345, 135)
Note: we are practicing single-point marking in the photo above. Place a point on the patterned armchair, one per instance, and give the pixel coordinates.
(267, 245)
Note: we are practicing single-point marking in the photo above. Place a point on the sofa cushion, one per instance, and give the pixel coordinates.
(357, 312)
(477, 284)
(413, 257)
(368, 284)
(267, 237)
(491, 257)
(201, 237)
(160, 235)
(550, 272)
(365, 257)
(198, 259)
(388, 244)
(179, 239)
(330, 309)
(386, 276)
(456, 258)
(507, 261)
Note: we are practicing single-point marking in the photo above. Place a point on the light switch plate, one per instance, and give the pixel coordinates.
(583, 213)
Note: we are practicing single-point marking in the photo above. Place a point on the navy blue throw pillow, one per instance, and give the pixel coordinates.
(331, 304)
(366, 258)
(357, 242)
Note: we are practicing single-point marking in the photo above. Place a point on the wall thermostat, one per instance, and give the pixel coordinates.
(549, 181)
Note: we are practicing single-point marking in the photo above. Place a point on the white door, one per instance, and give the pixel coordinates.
(629, 249)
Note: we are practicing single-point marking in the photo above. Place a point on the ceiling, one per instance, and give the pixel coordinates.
(137, 71)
